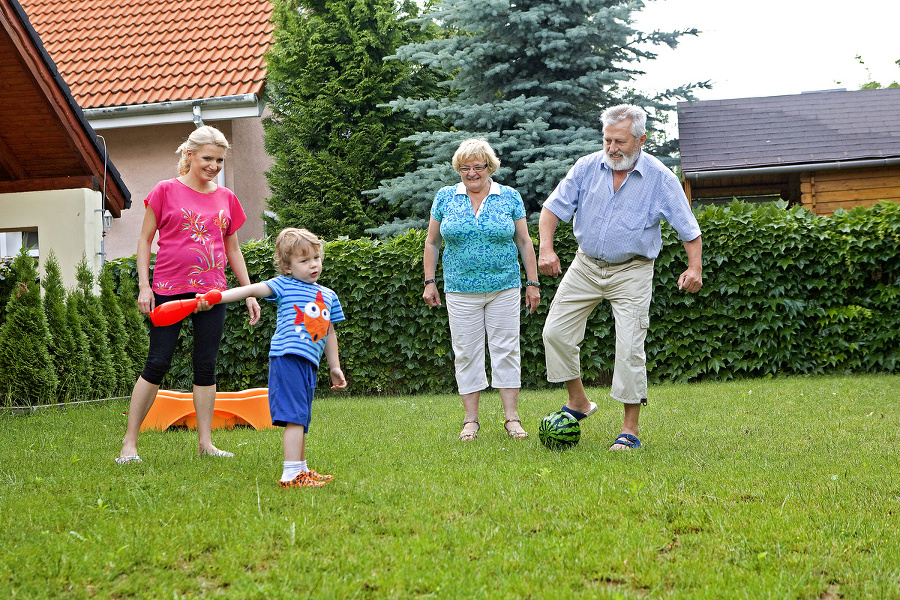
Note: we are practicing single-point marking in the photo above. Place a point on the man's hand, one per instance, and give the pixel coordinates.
(548, 263)
(691, 280)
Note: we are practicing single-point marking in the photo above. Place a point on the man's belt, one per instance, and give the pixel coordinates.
(604, 264)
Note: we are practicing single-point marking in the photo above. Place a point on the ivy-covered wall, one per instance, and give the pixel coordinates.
(785, 292)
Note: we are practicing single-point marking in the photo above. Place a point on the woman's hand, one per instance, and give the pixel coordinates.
(532, 298)
(431, 295)
(202, 305)
(145, 301)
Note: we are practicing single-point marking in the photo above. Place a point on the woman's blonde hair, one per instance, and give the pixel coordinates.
(291, 241)
(476, 149)
(199, 137)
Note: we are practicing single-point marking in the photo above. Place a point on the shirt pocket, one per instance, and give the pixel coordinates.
(634, 216)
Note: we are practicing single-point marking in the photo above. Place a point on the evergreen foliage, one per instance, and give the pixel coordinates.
(116, 334)
(785, 292)
(330, 132)
(27, 373)
(62, 347)
(7, 282)
(84, 371)
(137, 337)
(104, 379)
(532, 78)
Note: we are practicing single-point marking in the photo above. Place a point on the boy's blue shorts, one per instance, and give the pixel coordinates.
(292, 383)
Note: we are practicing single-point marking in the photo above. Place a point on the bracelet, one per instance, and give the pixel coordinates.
(427, 281)
(534, 283)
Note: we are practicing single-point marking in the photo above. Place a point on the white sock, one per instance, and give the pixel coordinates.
(292, 468)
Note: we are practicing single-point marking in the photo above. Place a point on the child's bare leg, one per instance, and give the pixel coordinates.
(294, 442)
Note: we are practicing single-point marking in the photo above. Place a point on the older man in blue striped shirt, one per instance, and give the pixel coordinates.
(618, 198)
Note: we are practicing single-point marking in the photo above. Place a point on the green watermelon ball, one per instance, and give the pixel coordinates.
(559, 431)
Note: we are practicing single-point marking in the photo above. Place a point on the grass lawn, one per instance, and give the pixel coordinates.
(779, 488)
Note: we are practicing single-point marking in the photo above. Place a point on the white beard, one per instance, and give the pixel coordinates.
(626, 163)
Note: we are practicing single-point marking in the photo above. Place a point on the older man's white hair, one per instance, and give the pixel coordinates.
(620, 112)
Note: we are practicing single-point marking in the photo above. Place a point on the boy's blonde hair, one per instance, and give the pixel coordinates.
(292, 240)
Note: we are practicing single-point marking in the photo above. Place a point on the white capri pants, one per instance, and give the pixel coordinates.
(496, 315)
(628, 287)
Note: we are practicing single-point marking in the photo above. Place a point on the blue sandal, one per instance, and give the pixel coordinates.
(627, 440)
(579, 416)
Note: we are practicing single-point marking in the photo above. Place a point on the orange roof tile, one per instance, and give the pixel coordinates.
(146, 51)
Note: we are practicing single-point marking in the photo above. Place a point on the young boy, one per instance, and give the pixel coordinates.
(304, 330)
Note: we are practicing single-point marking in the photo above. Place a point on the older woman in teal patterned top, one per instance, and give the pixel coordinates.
(482, 226)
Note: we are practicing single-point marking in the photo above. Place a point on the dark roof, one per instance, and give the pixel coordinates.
(45, 141)
(814, 127)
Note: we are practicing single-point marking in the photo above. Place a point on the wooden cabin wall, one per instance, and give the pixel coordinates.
(823, 192)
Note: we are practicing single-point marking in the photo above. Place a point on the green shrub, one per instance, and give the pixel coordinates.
(63, 349)
(785, 292)
(117, 335)
(104, 377)
(27, 374)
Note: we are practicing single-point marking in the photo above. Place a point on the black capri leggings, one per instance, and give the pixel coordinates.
(208, 328)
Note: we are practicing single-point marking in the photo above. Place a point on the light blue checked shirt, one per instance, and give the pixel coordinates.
(616, 227)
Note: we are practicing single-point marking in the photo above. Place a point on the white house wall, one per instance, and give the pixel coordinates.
(68, 222)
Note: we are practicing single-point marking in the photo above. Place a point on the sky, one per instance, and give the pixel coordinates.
(772, 47)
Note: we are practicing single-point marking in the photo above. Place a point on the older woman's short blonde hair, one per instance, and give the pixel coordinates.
(202, 136)
(476, 149)
(292, 241)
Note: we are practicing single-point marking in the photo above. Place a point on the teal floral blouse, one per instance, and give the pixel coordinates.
(480, 253)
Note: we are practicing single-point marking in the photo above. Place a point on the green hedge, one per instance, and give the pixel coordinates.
(785, 292)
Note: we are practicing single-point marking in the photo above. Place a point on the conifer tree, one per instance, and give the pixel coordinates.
(531, 77)
(117, 336)
(62, 347)
(27, 373)
(83, 374)
(330, 132)
(104, 378)
(138, 339)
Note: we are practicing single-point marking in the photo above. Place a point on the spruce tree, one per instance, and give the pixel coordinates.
(27, 373)
(532, 78)
(62, 347)
(104, 379)
(117, 335)
(330, 132)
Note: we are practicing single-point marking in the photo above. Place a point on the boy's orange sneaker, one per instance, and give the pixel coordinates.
(301, 480)
(319, 477)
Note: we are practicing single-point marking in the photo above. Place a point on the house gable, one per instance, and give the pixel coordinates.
(146, 52)
(45, 142)
(146, 72)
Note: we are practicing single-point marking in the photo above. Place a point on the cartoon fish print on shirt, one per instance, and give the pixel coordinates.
(315, 316)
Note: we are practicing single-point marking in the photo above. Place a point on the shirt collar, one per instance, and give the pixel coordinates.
(639, 166)
(495, 188)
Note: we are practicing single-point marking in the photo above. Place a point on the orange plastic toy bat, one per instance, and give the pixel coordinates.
(169, 313)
